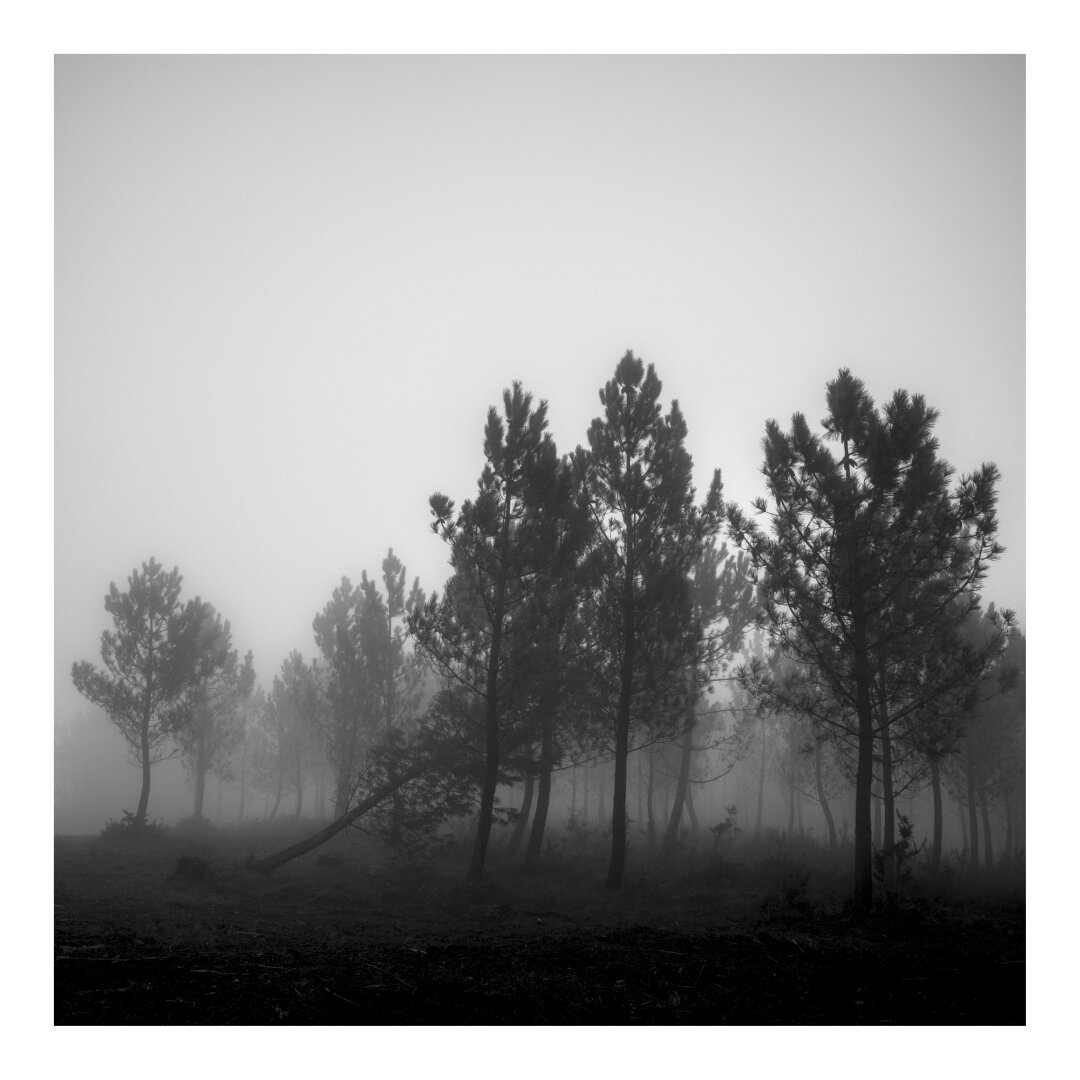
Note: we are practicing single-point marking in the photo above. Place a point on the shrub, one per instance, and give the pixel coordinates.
(130, 828)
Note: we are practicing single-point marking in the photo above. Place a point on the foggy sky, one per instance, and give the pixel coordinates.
(287, 291)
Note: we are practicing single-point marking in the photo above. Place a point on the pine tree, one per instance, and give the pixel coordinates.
(205, 722)
(648, 536)
(477, 635)
(148, 665)
(863, 559)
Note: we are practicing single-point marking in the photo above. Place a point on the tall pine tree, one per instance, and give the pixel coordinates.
(648, 537)
(864, 557)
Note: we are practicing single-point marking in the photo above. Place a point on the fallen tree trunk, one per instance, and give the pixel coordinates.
(272, 862)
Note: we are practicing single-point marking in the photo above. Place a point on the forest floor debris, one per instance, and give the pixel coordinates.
(348, 941)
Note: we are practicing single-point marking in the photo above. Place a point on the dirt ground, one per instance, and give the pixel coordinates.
(180, 931)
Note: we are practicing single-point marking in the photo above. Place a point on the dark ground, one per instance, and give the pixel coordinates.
(336, 938)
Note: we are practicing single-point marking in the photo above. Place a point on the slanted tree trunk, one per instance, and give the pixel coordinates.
(272, 862)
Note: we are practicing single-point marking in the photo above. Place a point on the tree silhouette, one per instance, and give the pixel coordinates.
(865, 561)
(648, 536)
(149, 662)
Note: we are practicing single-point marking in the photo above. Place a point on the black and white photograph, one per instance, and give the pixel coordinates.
(539, 540)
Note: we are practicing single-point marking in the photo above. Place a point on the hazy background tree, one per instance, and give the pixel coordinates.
(205, 723)
(147, 659)
(721, 608)
(347, 631)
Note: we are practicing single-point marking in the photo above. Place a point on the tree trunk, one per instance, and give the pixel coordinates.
(243, 787)
(271, 862)
(640, 788)
(144, 745)
(935, 786)
(792, 792)
(889, 805)
(618, 802)
(965, 846)
(876, 795)
(523, 814)
(761, 785)
(622, 720)
(864, 774)
(299, 779)
(220, 783)
(695, 827)
(1008, 853)
(491, 712)
(344, 775)
(280, 786)
(200, 778)
(824, 801)
(988, 849)
(547, 764)
(683, 783)
(973, 821)
(573, 792)
(650, 820)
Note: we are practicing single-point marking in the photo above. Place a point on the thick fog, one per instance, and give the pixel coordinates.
(289, 289)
